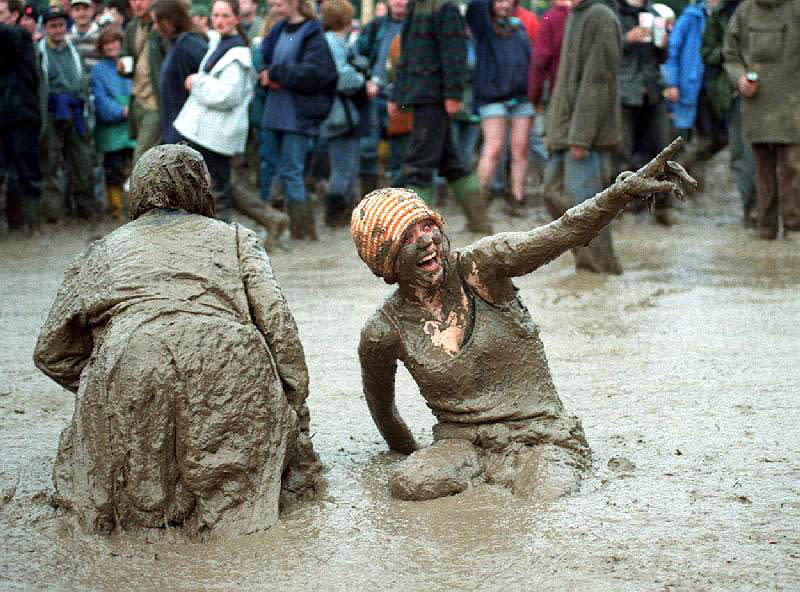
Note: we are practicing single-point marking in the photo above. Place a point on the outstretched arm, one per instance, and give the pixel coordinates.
(512, 254)
(378, 369)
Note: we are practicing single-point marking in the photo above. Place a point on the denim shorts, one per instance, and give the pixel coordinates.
(511, 109)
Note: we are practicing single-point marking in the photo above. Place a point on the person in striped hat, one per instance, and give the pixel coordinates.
(460, 329)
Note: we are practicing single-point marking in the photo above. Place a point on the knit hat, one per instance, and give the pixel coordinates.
(31, 10)
(379, 223)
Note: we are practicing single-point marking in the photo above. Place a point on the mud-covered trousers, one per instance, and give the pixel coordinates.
(778, 183)
(431, 147)
(19, 167)
(65, 144)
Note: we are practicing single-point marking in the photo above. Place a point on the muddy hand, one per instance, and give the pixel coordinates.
(660, 175)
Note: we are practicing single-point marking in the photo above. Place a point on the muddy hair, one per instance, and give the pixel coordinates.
(171, 176)
(175, 12)
(234, 5)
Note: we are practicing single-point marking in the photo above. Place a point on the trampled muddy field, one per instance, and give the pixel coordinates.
(685, 371)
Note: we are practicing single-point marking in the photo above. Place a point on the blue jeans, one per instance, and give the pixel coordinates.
(283, 154)
(465, 136)
(378, 122)
(343, 152)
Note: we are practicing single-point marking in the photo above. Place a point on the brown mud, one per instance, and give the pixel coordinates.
(683, 370)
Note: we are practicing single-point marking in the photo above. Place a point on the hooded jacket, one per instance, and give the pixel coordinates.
(585, 109)
(684, 65)
(764, 37)
(639, 72)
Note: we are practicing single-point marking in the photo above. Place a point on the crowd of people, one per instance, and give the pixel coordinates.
(440, 97)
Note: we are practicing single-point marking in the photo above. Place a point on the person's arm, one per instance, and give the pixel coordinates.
(377, 353)
(734, 46)
(314, 71)
(479, 19)
(349, 79)
(271, 315)
(108, 108)
(486, 263)
(223, 91)
(65, 342)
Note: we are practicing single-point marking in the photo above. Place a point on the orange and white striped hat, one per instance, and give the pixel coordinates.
(379, 222)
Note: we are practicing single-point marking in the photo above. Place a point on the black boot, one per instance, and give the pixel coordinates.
(308, 220)
(334, 206)
(297, 229)
(369, 183)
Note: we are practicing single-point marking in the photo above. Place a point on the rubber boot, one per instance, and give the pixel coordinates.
(297, 228)
(115, 201)
(308, 220)
(474, 201)
(334, 208)
(275, 222)
(424, 193)
(369, 183)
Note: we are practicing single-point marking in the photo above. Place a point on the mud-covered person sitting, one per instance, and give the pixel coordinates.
(190, 378)
(459, 327)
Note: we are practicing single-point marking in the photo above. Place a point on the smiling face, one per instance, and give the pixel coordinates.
(56, 30)
(420, 261)
(82, 15)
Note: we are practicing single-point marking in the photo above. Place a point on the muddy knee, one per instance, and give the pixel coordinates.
(546, 472)
(446, 468)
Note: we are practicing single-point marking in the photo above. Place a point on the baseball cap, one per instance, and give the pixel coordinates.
(85, 2)
(53, 12)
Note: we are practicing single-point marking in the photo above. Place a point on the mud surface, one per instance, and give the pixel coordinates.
(684, 371)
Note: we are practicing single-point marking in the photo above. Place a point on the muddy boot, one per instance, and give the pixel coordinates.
(474, 201)
(369, 183)
(334, 207)
(424, 193)
(297, 229)
(664, 217)
(115, 201)
(598, 256)
(308, 220)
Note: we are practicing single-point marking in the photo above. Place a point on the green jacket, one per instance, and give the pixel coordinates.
(585, 109)
(433, 59)
(764, 37)
(721, 92)
(157, 47)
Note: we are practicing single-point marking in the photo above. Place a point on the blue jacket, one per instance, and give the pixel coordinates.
(111, 95)
(684, 65)
(310, 77)
(501, 68)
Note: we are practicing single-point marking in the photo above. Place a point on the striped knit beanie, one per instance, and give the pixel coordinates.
(379, 222)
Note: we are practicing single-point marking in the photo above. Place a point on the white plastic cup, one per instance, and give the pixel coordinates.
(127, 64)
(646, 22)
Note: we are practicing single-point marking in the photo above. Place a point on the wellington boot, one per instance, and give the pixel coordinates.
(275, 222)
(308, 220)
(297, 228)
(335, 205)
(424, 193)
(115, 201)
(474, 201)
(369, 183)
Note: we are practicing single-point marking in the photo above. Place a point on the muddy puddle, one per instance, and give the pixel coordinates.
(684, 370)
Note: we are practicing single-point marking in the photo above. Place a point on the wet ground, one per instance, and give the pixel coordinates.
(685, 371)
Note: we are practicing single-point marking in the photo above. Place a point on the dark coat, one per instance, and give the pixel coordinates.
(183, 58)
(639, 72)
(19, 78)
(310, 78)
(501, 67)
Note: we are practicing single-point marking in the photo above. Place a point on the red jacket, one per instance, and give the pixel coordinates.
(529, 21)
(547, 52)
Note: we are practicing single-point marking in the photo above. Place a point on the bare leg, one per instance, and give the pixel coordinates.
(494, 132)
(520, 133)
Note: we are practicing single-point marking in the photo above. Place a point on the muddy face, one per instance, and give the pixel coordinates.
(420, 261)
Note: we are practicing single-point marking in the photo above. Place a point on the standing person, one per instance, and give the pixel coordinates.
(684, 67)
(547, 52)
(83, 32)
(762, 58)
(249, 19)
(20, 121)
(112, 95)
(347, 121)
(187, 47)
(725, 104)
(374, 42)
(214, 117)
(148, 49)
(299, 76)
(501, 91)
(67, 137)
(645, 121)
(30, 20)
(584, 121)
(457, 323)
(429, 80)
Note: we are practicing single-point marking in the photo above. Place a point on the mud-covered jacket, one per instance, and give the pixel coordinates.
(764, 37)
(433, 60)
(585, 109)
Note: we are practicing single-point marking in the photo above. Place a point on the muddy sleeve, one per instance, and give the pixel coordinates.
(512, 254)
(376, 351)
(65, 342)
(270, 313)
